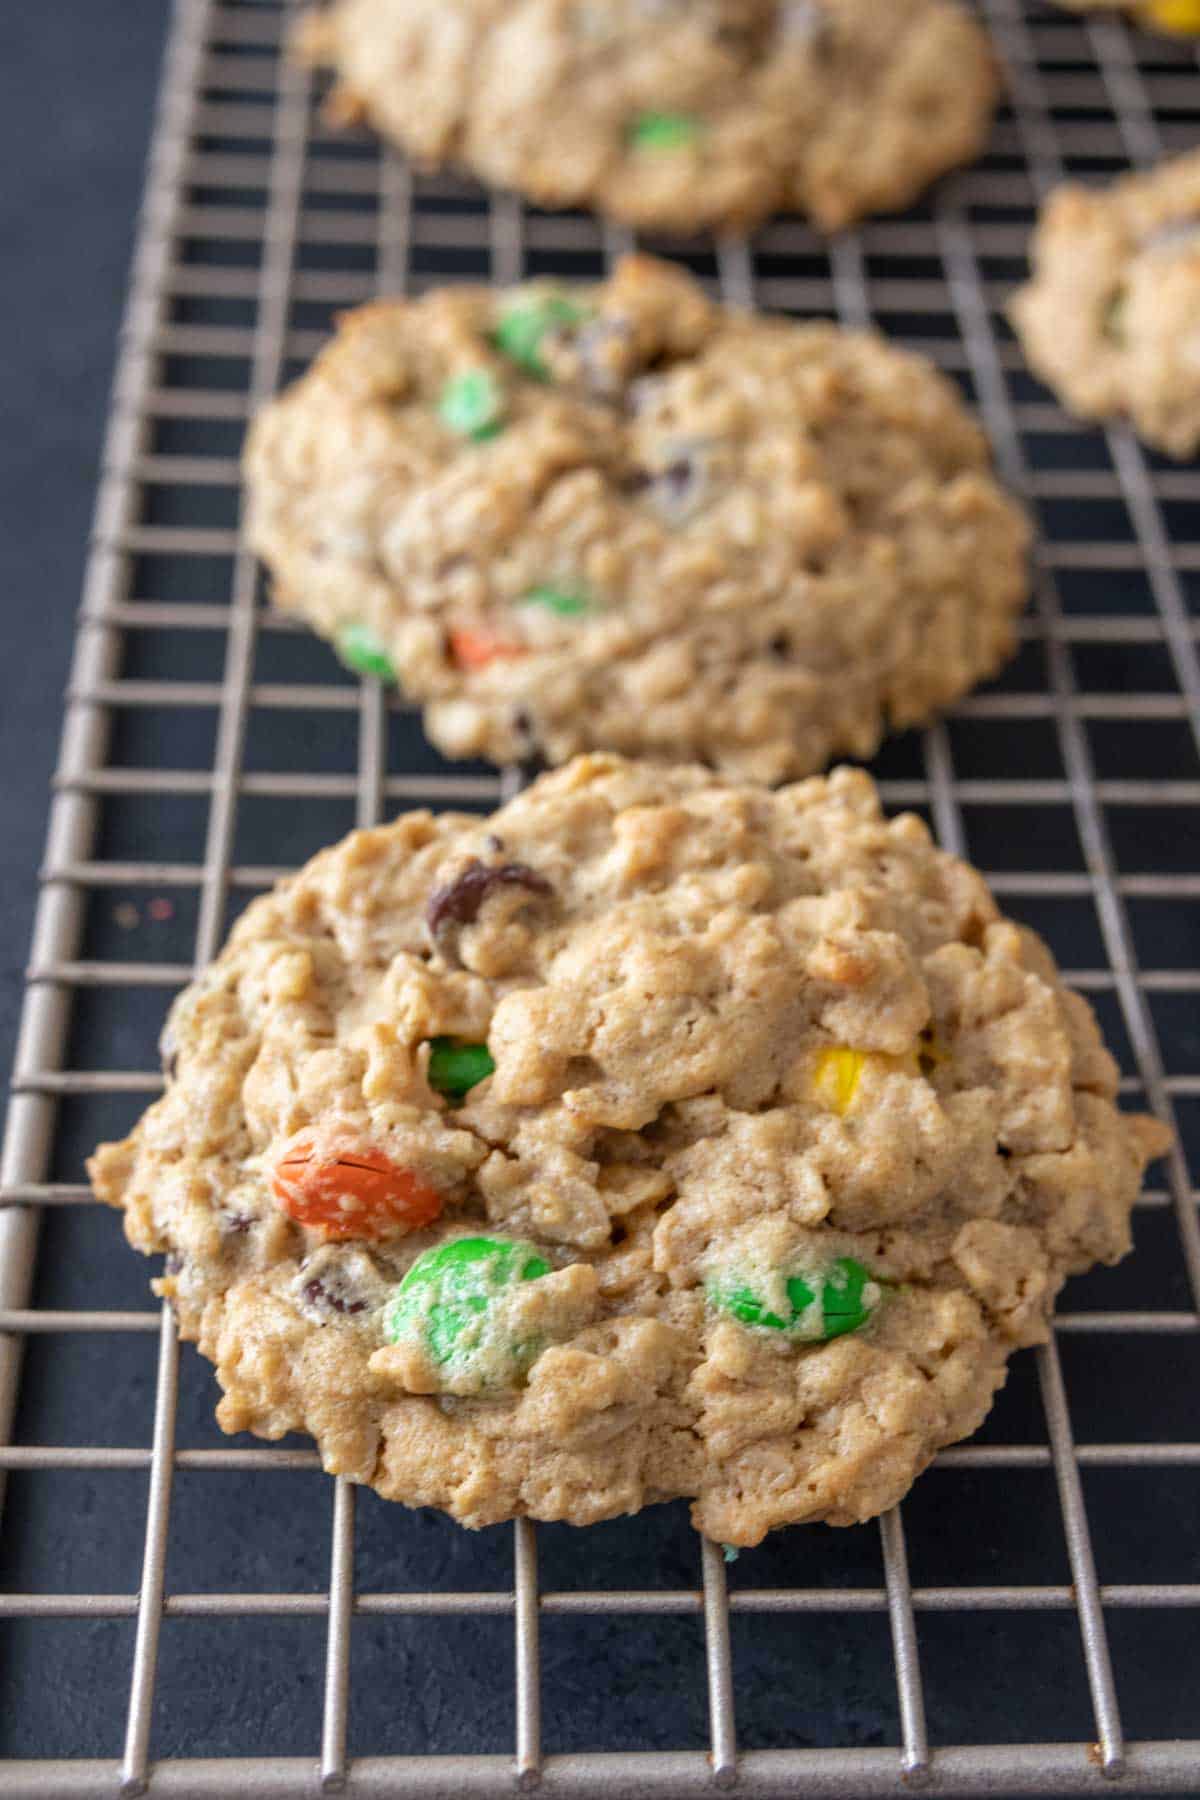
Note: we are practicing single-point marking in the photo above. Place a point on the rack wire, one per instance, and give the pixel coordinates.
(1074, 781)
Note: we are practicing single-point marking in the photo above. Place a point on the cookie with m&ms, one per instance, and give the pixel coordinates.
(661, 1135)
(622, 517)
(677, 116)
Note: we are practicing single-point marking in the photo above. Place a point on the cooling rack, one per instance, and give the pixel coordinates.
(201, 1617)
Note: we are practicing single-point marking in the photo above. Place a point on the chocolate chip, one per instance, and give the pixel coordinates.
(677, 488)
(677, 480)
(523, 726)
(749, 38)
(458, 903)
(317, 1294)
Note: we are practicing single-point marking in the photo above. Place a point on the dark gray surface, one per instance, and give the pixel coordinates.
(242, 1687)
(79, 79)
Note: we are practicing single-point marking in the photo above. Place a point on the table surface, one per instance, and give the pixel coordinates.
(68, 203)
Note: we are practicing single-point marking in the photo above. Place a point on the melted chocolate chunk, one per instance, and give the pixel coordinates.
(676, 482)
(317, 1294)
(458, 903)
(678, 487)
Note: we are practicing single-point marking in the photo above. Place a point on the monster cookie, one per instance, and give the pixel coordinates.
(658, 1136)
(1111, 318)
(622, 517)
(674, 115)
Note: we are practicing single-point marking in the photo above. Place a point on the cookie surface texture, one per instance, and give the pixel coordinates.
(1111, 317)
(677, 116)
(624, 518)
(658, 1136)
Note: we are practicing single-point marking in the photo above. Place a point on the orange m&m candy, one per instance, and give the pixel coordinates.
(476, 649)
(351, 1191)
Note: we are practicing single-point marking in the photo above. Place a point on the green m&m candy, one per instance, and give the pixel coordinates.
(525, 323)
(663, 131)
(568, 603)
(472, 404)
(453, 1302)
(363, 650)
(455, 1068)
(820, 1305)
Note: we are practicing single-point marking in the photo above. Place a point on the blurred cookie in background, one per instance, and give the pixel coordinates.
(1111, 317)
(1177, 18)
(672, 115)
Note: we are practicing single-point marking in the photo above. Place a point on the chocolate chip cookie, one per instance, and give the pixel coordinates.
(622, 517)
(1111, 317)
(661, 1135)
(674, 115)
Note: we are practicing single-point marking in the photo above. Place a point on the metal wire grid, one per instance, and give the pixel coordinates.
(224, 86)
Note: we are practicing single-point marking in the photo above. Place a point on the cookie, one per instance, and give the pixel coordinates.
(622, 517)
(1174, 18)
(672, 115)
(1111, 317)
(660, 1135)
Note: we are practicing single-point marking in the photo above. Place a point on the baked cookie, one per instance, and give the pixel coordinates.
(1111, 318)
(1175, 18)
(673, 115)
(622, 517)
(657, 1136)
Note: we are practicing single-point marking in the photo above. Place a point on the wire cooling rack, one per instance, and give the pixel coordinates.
(178, 1612)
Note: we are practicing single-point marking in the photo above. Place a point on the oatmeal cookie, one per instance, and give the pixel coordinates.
(1111, 318)
(660, 1135)
(680, 115)
(625, 518)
